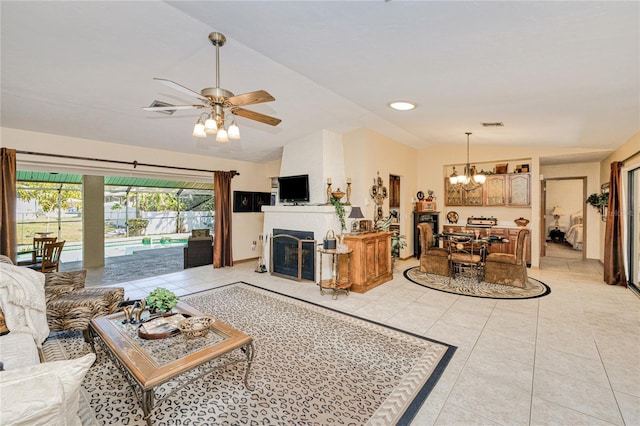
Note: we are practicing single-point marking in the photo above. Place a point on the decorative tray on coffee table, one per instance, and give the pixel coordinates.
(161, 326)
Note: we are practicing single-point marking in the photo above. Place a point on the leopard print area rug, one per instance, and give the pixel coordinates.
(468, 286)
(312, 366)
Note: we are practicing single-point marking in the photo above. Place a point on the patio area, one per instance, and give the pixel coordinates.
(138, 265)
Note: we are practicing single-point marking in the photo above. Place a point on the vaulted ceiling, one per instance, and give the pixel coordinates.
(557, 74)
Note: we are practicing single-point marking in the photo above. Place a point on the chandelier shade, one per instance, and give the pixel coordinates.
(471, 179)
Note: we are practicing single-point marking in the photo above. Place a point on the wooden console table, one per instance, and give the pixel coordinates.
(370, 260)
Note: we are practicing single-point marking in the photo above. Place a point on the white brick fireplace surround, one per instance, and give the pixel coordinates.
(320, 156)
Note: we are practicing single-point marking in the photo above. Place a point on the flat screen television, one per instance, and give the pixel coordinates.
(294, 189)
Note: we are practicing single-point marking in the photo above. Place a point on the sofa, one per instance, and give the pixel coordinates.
(35, 392)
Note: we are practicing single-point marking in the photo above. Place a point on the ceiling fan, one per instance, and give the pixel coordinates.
(216, 100)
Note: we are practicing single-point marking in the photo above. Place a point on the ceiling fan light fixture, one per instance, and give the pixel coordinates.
(234, 131)
(198, 129)
(402, 105)
(210, 125)
(222, 135)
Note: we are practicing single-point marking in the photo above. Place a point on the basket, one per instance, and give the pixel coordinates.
(195, 327)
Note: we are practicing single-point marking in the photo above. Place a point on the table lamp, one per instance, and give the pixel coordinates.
(356, 213)
(557, 212)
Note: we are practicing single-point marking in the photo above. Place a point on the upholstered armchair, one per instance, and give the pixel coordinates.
(433, 260)
(70, 305)
(508, 268)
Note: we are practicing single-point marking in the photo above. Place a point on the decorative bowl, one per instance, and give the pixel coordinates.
(521, 221)
(337, 194)
(195, 326)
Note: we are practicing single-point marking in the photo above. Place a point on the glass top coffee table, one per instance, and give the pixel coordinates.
(148, 364)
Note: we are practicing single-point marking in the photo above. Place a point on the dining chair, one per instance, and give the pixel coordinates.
(509, 268)
(38, 247)
(465, 255)
(433, 260)
(50, 261)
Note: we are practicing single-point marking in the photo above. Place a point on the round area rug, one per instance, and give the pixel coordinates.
(467, 286)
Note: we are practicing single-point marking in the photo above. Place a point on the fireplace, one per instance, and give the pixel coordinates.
(293, 254)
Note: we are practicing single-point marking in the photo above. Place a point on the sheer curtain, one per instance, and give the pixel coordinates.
(8, 241)
(222, 253)
(614, 272)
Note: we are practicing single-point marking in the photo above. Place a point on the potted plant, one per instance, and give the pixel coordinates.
(398, 242)
(339, 212)
(598, 201)
(161, 300)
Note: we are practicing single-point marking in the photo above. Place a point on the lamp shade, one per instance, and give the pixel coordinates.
(356, 213)
(557, 211)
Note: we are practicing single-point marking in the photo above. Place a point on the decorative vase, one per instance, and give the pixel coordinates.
(521, 221)
(337, 194)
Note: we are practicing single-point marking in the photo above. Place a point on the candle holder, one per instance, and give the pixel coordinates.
(329, 191)
(348, 193)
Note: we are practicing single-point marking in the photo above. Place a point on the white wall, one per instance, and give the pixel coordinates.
(366, 154)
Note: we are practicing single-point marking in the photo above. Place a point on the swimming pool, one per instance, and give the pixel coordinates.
(73, 251)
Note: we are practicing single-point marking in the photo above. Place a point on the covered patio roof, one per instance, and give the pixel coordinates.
(121, 181)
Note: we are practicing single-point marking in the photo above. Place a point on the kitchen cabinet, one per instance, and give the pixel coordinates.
(509, 190)
(370, 260)
(496, 190)
(519, 190)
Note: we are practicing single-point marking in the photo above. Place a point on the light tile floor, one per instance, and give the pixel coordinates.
(569, 358)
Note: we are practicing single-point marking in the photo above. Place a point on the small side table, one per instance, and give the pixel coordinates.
(337, 283)
(556, 235)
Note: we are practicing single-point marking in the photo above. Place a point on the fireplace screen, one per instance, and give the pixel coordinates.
(293, 254)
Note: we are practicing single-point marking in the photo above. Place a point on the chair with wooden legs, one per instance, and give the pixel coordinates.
(38, 248)
(50, 261)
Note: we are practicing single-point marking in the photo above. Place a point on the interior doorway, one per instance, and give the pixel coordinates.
(564, 219)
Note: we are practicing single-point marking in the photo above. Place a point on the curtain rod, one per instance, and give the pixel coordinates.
(131, 163)
(630, 157)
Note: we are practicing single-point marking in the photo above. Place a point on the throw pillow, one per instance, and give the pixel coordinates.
(18, 404)
(3, 325)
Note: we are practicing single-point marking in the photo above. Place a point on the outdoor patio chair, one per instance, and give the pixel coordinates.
(38, 247)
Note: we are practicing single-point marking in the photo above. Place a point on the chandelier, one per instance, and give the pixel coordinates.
(213, 124)
(471, 179)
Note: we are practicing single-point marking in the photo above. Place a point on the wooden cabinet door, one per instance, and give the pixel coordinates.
(383, 256)
(473, 197)
(370, 259)
(495, 193)
(519, 194)
(453, 195)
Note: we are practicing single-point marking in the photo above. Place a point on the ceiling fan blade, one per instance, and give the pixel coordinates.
(180, 88)
(252, 115)
(172, 107)
(257, 97)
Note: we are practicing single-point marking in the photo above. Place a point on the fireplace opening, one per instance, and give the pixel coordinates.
(293, 254)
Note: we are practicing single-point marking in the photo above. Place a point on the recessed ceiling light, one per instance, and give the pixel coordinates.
(402, 105)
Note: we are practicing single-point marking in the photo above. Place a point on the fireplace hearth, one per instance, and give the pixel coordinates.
(293, 254)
